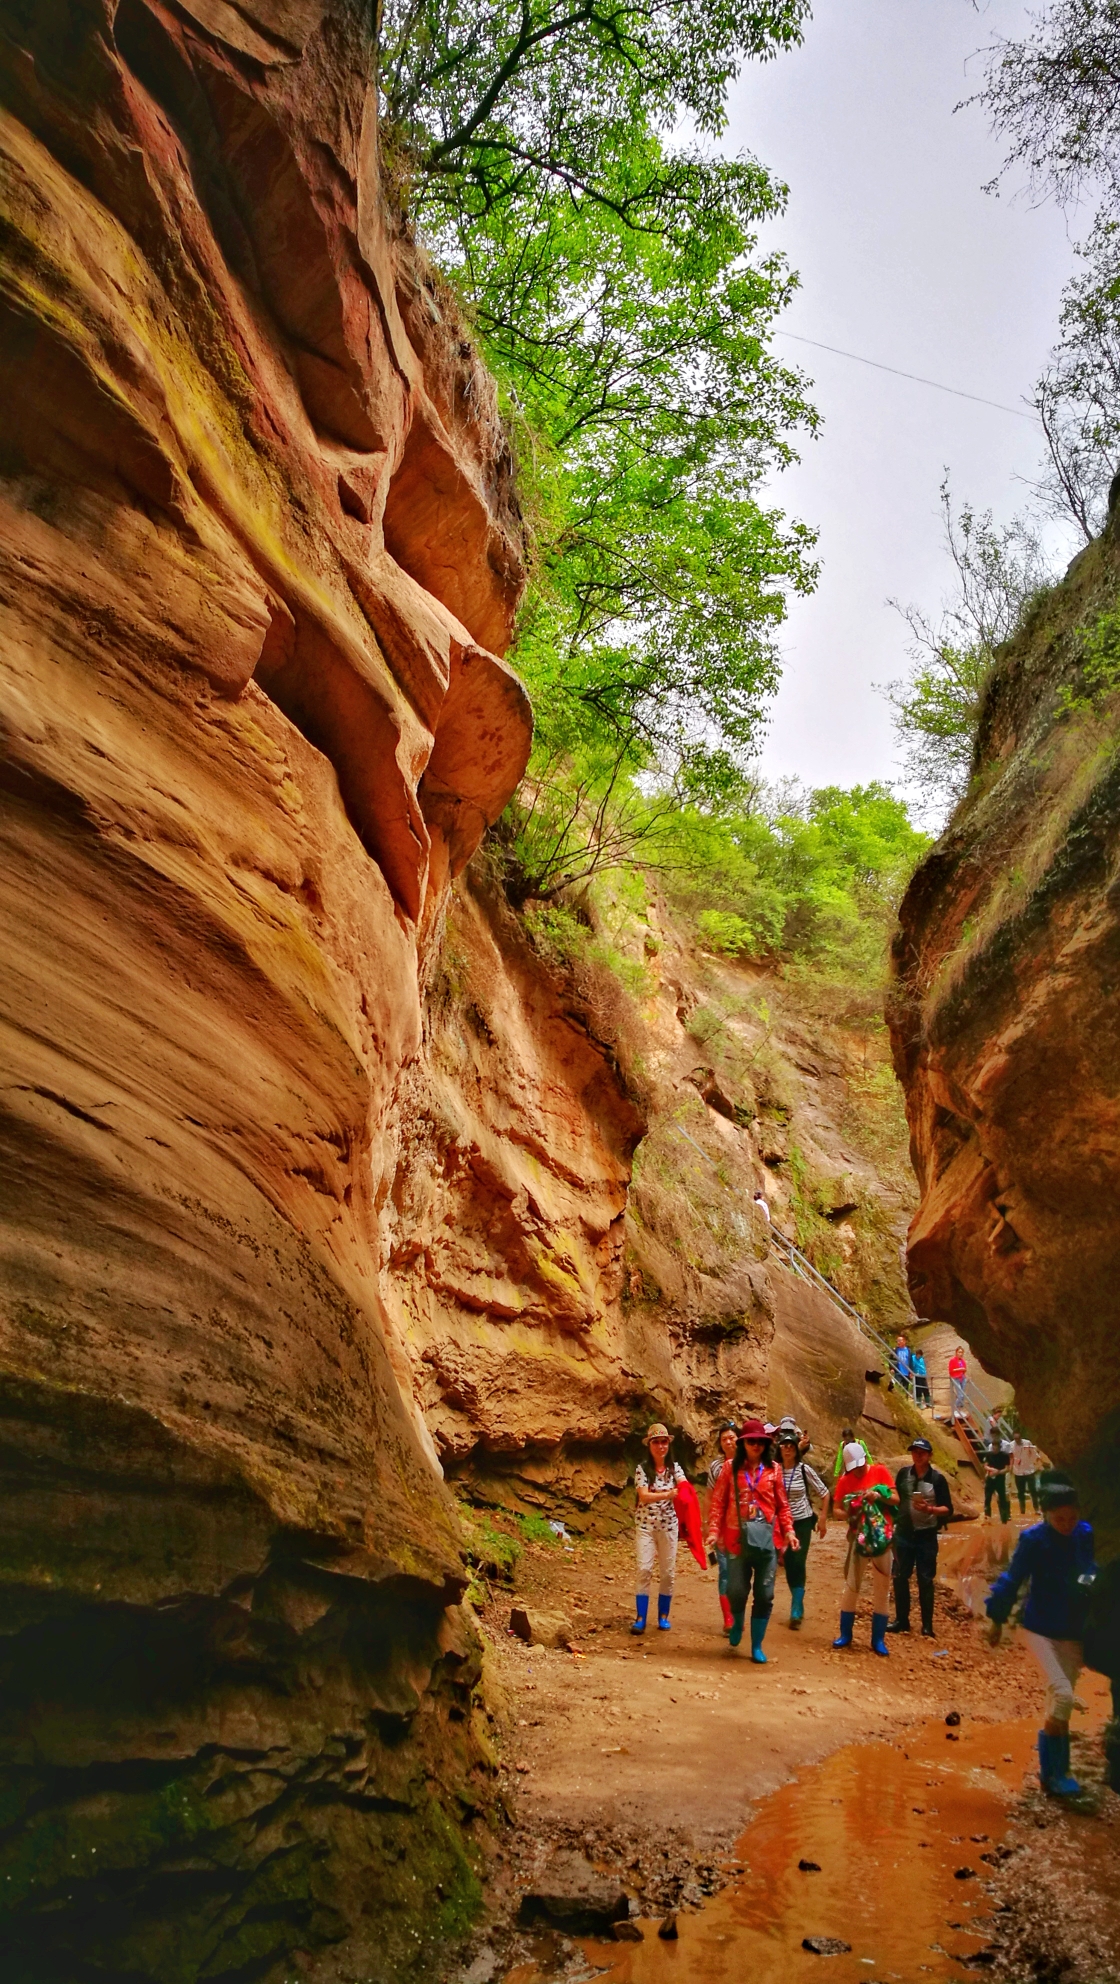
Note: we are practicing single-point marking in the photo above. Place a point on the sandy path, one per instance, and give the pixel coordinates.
(647, 1756)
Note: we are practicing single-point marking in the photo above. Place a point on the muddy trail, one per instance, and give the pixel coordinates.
(678, 1773)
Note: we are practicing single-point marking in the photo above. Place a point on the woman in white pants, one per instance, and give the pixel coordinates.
(656, 1527)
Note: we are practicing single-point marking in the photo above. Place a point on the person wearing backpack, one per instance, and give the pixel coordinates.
(1101, 1646)
(1054, 1558)
(867, 1495)
(749, 1518)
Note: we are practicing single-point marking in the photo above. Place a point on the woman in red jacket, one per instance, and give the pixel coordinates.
(749, 1519)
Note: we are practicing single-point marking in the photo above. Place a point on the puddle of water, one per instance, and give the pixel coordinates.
(888, 1825)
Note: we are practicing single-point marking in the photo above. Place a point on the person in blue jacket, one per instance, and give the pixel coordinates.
(1055, 1556)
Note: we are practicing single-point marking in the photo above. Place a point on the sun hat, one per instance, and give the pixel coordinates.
(920, 1446)
(657, 1432)
(854, 1456)
(753, 1429)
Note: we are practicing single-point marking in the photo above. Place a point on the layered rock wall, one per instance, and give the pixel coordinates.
(1006, 1029)
(258, 558)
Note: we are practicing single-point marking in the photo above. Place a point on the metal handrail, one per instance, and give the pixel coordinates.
(800, 1264)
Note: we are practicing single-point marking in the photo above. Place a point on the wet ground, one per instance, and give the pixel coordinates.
(699, 1782)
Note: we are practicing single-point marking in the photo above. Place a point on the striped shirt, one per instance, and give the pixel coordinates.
(799, 1479)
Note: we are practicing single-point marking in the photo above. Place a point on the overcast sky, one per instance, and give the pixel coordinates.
(905, 259)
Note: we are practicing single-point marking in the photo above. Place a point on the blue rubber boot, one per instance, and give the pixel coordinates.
(736, 1633)
(641, 1606)
(758, 1634)
(847, 1621)
(1053, 1766)
(878, 1630)
(797, 1606)
(663, 1605)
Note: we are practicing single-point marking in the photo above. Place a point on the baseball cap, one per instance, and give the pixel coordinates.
(920, 1446)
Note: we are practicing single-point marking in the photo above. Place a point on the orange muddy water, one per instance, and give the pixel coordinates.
(889, 1825)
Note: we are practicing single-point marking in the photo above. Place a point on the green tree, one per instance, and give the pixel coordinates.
(613, 278)
(1053, 95)
(999, 570)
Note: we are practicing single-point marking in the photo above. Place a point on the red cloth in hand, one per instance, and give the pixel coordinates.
(688, 1517)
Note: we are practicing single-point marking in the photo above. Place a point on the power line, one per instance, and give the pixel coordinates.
(1019, 412)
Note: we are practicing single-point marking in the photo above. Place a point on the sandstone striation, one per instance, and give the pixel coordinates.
(570, 1244)
(259, 557)
(1004, 1019)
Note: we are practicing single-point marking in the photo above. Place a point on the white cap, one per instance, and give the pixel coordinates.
(854, 1456)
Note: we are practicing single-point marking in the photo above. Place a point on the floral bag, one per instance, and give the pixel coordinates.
(873, 1527)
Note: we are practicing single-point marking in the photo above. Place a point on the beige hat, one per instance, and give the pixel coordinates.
(657, 1432)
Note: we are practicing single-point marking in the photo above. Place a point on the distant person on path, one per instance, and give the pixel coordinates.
(656, 1530)
(848, 1434)
(763, 1205)
(921, 1378)
(925, 1506)
(749, 1518)
(1056, 1557)
(801, 1482)
(958, 1376)
(867, 1495)
(900, 1364)
(1024, 1471)
(727, 1439)
(997, 1461)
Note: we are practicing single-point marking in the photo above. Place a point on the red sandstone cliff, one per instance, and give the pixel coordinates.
(302, 1209)
(1004, 1017)
(258, 557)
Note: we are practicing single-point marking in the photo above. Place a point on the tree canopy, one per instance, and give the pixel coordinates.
(558, 163)
(1053, 95)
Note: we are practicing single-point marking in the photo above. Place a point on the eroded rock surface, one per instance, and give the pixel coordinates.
(259, 557)
(1006, 1030)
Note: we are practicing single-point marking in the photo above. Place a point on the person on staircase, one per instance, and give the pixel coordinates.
(922, 1395)
(656, 1530)
(801, 1482)
(1055, 1558)
(958, 1378)
(925, 1506)
(749, 1518)
(996, 1456)
(727, 1439)
(1024, 1471)
(868, 1497)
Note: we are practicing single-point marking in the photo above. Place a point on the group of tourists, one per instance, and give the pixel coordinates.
(767, 1502)
(761, 1513)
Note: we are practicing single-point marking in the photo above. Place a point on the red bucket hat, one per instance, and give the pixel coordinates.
(753, 1429)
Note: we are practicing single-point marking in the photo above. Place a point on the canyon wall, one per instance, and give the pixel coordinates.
(1006, 1029)
(329, 1188)
(259, 556)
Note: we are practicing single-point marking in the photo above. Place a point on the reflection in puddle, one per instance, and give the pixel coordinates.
(889, 1826)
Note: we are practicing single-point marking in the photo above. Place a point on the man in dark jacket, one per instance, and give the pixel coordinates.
(925, 1506)
(1054, 1558)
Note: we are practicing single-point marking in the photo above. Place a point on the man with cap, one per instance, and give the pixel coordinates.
(925, 1506)
(1055, 1557)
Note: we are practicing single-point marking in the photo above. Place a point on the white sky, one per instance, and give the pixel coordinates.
(905, 259)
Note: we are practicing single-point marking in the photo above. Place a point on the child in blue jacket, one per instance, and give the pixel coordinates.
(1056, 1556)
